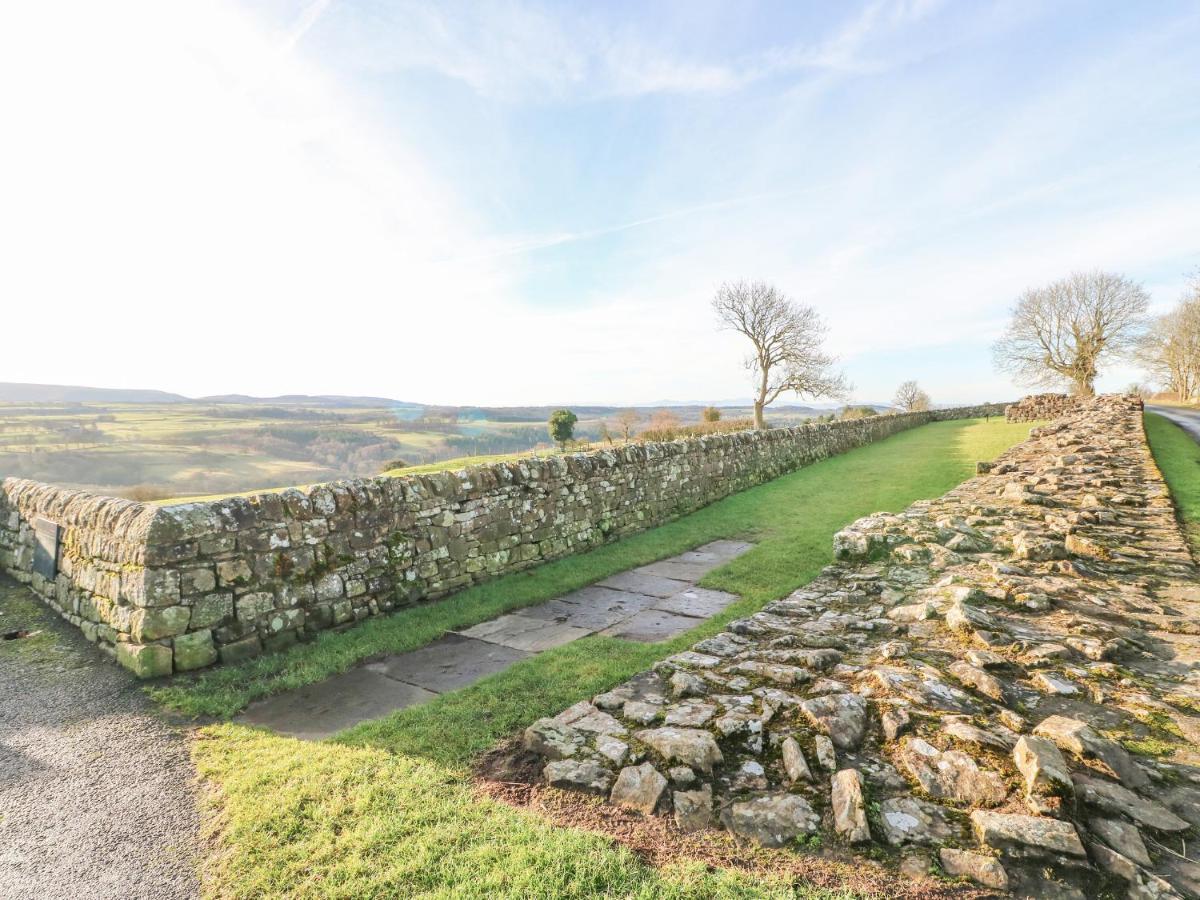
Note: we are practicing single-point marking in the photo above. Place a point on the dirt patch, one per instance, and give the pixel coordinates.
(511, 775)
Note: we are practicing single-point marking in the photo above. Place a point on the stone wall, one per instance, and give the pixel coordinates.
(1041, 406)
(1001, 684)
(182, 587)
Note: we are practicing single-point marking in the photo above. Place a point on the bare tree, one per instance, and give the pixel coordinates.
(1062, 333)
(910, 398)
(626, 420)
(787, 338)
(1170, 348)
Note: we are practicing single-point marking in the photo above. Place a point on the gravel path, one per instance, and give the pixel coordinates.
(97, 794)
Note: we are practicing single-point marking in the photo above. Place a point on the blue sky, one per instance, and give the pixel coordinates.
(521, 202)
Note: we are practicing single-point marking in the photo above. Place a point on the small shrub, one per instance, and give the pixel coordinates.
(562, 426)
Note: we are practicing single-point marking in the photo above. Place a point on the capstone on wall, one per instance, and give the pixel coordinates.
(175, 588)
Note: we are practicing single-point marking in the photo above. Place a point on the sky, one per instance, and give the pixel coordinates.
(519, 203)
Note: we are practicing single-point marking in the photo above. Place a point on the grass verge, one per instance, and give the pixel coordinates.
(1178, 457)
(388, 808)
(792, 520)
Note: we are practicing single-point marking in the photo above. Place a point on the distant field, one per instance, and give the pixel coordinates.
(173, 450)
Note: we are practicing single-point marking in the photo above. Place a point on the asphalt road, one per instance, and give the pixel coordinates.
(97, 791)
(1188, 419)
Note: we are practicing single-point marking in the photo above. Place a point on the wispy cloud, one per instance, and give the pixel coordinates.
(524, 51)
(308, 18)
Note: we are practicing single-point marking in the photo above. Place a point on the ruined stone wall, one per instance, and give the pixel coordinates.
(1036, 407)
(1002, 684)
(181, 587)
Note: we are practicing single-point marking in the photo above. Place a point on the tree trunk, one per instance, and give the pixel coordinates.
(759, 423)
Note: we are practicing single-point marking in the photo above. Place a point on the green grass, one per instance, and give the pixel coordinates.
(324, 820)
(1178, 457)
(792, 519)
(388, 809)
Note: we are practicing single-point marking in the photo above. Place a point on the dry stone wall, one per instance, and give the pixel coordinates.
(1037, 407)
(182, 587)
(1003, 683)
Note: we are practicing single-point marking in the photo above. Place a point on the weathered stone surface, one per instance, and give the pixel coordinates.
(1079, 739)
(691, 714)
(552, 739)
(987, 684)
(895, 722)
(966, 733)
(826, 754)
(1047, 778)
(145, 660)
(907, 820)
(690, 746)
(979, 867)
(1055, 685)
(774, 820)
(641, 712)
(1041, 406)
(639, 788)
(951, 775)
(194, 650)
(1122, 837)
(614, 750)
(152, 624)
(849, 807)
(693, 809)
(1114, 799)
(583, 716)
(578, 775)
(794, 762)
(843, 717)
(1003, 831)
(685, 684)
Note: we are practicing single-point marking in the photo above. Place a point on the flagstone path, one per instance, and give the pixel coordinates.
(647, 604)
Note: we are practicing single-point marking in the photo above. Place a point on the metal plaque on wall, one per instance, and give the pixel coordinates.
(45, 548)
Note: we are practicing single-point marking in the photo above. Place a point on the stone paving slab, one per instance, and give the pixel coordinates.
(719, 551)
(639, 582)
(647, 604)
(449, 663)
(700, 603)
(323, 709)
(523, 632)
(682, 570)
(593, 617)
(651, 625)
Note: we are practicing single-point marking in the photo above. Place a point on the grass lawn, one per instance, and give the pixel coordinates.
(1178, 457)
(387, 808)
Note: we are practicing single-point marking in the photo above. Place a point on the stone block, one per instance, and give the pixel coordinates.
(211, 609)
(145, 660)
(194, 650)
(155, 623)
(239, 651)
